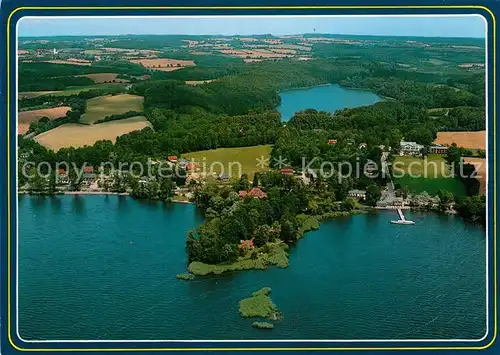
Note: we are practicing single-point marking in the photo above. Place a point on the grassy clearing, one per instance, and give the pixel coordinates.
(102, 106)
(226, 160)
(259, 305)
(77, 135)
(433, 166)
(432, 186)
(430, 175)
(258, 258)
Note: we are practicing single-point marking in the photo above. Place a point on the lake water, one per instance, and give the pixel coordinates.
(323, 98)
(104, 267)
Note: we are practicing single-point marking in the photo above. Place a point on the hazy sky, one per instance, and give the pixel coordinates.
(453, 26)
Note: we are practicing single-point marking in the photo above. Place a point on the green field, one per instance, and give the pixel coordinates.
(432, 186)
(102, 106)
(429, 175)
(72, 90)
(434, 166)
(229, 157)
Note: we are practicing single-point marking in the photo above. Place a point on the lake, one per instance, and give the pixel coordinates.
(323, 98)
(104, 267)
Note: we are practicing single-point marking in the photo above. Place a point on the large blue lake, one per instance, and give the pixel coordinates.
(104, 267)
(323, 98)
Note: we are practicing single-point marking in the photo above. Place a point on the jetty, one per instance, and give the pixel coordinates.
(402, 219)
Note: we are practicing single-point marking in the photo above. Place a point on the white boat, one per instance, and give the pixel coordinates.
(402, 221)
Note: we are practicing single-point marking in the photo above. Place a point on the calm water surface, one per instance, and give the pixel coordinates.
(323, 98)
(103, 267)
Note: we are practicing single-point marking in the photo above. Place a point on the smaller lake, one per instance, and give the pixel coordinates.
(323, 98)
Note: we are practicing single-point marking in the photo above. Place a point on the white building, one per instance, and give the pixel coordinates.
(410, 148)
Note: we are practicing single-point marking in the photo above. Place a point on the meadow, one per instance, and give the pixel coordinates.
(246, 156)
(430, 175)
(78, 135)
(102, 106)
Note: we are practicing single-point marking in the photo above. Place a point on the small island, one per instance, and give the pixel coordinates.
(262, 325)
(185, 276)
(260, 305)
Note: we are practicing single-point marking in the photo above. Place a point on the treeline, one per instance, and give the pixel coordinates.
(119, 116)
(78, 107)
(61, 100)
(462, 119)
(49, 84)
(176, 133)
(410, 92)
(38, 76)
(384, 123)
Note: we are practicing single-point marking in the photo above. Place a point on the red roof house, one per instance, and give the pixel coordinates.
(88, 169)
(255, 192)
(332, 141)
(172, 158)
(287, 171)
(246, 243)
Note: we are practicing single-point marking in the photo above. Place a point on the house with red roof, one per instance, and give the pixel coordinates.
(287, 171)
(246, 243)
(88, 169)
(332, 141)
(255, 192)
(172, 158)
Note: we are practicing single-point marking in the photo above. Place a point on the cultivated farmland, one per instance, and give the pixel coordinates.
(105, 78)
(102, 106)
(471, 140)
(25, 118)
(78, 135)
(164, 64)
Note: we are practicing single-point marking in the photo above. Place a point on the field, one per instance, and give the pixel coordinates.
(430, 175)
(164, 64)
(480, 170)
(197, 82)
(71, 61)
(102, 106)
(25, 118)
(433, 167)
(472, 140)
(72, 90)
(431, 186)
(228, 157)
(77, 135)
(105, 78)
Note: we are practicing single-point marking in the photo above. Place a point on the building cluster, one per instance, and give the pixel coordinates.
(413, 148)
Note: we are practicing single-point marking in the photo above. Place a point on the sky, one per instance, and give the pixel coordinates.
(437, 26)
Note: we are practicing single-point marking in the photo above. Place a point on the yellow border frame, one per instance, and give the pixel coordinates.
(251, 8)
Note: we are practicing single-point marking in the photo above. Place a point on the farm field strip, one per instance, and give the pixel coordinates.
(102, 106)
(471, 140)
(78, 135)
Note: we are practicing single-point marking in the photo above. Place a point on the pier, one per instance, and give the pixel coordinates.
(402, 219)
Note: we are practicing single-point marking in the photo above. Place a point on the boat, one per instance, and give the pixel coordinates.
(402, 221)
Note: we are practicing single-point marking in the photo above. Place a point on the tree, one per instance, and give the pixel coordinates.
(445, 199)
(373, 195)
(255, 180)
(166, 188)
(262, 235)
